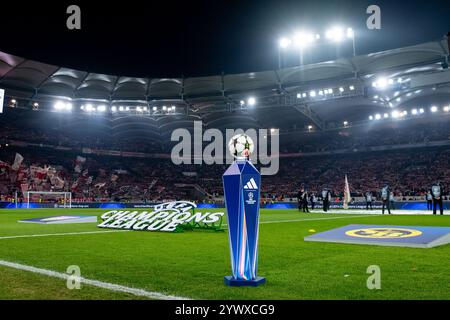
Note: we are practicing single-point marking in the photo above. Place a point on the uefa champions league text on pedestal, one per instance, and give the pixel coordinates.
(242, 184)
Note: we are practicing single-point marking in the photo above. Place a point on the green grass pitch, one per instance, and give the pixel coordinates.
(193, 264)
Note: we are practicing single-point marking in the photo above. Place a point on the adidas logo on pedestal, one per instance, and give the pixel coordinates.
(251, 185)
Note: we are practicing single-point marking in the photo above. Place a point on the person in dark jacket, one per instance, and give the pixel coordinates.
(299, 199)
(304, 201)
(385, 197)
(313, 200)
(326, 198)
(437, 193)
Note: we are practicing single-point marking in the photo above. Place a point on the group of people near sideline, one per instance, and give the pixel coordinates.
(386, 195)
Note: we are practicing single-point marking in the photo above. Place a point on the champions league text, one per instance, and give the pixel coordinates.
(165, 217)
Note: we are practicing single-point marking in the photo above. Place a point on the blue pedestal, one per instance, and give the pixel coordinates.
(242, 184)
(232, 282)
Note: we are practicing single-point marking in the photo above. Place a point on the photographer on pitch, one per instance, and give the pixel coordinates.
(436, 193)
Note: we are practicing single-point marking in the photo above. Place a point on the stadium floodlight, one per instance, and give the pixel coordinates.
(405, 113)
(421, 110)
(13, 101)
(351, 88)
(138, 109)
(434, 109)
(312, 93)
(272, 130)
(381, 83)
(251, 101)
(345, 123)
(59, 105)
(330, 91)
(386, 115)
(341, 89)
(89, 107)
(284, 43)
(414, 111)
(173, 108)
(320, 92)
(398, 99)
(310, 127)
(164, 108)
(370, 117)
(395, 114)
(145, 108)
(335, 34)
(299, 95)
(113, 108)
(69, 106)
(82, 107)
(35, 104)
(101, 108)
(350, 33)
(446, 108)
(127, 108)
(155, 108)
(377, 116)
(304, 94)
(121, 108)
(303, 39)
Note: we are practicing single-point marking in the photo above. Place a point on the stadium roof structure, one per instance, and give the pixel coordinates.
(323, 94)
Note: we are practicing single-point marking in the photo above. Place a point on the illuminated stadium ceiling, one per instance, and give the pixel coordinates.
(323, 94)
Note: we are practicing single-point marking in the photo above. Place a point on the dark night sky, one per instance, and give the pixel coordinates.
(193, 38)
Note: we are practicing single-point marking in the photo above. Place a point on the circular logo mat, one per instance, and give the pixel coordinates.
(384, 233)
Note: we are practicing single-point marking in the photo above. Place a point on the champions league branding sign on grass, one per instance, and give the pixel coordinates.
(167, 217)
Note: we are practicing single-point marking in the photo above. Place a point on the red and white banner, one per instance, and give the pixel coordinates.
(57, 182)
(38, 173)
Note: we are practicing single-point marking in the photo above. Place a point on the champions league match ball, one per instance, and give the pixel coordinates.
(241, 146)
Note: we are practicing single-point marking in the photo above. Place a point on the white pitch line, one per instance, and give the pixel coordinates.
(59, 234)
(312, 219)
(95, 283)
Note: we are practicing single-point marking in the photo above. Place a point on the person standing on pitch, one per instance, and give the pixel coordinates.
(305, 201)
(326, 197)
(392, 199)
(313, 200)
(385, 197)
(369, 200)
(429, 199)
(299, 199)
(436, 193)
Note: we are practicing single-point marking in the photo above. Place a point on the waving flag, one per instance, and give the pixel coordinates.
(17, 162)
(347, 197)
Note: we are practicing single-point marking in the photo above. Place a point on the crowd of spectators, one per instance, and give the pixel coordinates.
(408, 172)
(313, 160)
